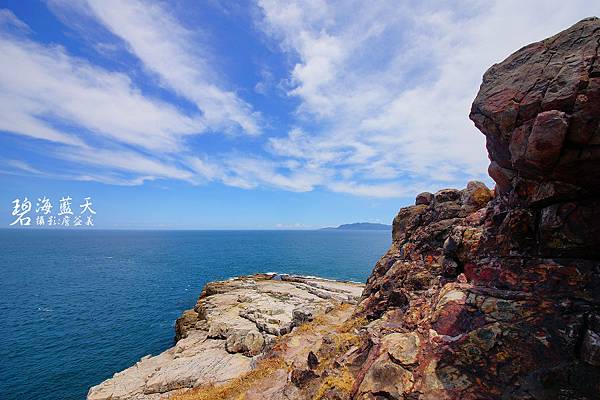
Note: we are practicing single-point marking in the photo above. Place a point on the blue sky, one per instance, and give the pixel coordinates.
(218, 114)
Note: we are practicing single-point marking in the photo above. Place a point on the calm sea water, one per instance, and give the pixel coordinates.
(77, 306)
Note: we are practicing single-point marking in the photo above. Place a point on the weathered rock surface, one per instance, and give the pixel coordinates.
(487, 294)
(233, 322)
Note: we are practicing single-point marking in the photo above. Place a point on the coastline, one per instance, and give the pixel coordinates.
(233, 324)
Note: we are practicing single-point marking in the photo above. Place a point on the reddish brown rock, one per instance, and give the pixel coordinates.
(476, 195)
(385, 380)
(502, 176)
(423, 198)
(546, 139)
(540, 110)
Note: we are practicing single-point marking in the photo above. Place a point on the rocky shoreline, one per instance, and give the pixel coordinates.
(232, 324)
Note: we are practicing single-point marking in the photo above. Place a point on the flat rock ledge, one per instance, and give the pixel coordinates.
(233, 323)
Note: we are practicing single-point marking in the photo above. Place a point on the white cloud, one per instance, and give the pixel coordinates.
(9, 20)
(250, 172)
(175, 54)
(19, 167)
(128, 161)
(43, 86)
(46, 93)
(384, 190)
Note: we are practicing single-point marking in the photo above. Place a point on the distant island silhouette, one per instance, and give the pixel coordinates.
(361, 226)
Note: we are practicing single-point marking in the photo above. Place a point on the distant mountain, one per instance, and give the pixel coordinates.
(361, 226)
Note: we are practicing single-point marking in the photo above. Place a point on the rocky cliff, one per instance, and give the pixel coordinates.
(484, 294)
(503, 291)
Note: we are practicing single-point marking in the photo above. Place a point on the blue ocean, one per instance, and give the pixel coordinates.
(78, 306)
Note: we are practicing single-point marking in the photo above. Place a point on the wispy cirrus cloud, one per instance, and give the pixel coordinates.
(9, 21)
(177, 55)
(42, 87)
(89, 113)
(130, 162)
(249, 172)
(19, 167)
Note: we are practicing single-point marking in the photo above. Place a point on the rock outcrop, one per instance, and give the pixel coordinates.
(504, 293)
(233, 323)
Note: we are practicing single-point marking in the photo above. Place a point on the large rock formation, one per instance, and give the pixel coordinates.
(540, 113)
(504, 297)
(233, 323)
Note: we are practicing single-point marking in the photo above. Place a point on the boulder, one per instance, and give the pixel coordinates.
(424, 198)
(387, 380)
(539, 111)
(403, 348)
(249, 342)
(476, 195)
